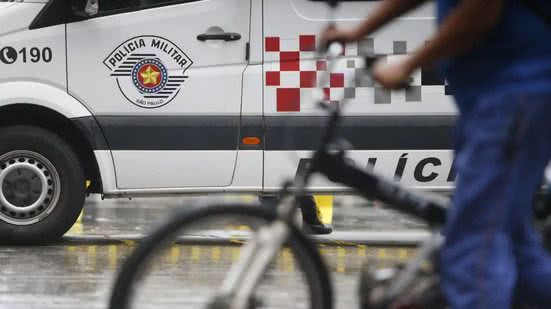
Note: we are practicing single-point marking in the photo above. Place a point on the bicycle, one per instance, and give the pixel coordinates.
(413, 285)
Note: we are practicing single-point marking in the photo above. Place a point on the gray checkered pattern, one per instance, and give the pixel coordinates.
(366, 46)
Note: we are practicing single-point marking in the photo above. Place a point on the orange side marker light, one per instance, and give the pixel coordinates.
(251, 140)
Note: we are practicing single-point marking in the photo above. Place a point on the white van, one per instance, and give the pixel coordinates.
(151, 97)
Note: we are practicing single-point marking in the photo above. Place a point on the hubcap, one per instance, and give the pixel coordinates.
(29, 187)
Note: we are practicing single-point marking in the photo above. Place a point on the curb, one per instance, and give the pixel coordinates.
(344, 238)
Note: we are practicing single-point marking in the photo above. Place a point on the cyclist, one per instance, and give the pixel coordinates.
(496, 57)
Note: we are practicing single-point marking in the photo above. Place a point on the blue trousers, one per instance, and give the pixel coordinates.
(492, 249)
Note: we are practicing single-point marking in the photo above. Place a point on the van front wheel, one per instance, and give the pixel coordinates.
(42, 186)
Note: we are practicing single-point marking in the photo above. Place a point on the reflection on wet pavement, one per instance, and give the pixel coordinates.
(71, 276)
(76, 274)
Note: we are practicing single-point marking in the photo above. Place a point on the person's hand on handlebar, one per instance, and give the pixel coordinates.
(391, 76)
(334, 34)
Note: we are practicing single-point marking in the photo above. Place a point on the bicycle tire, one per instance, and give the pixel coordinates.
(305, 251)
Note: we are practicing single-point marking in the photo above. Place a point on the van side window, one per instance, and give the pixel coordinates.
(57, 12)
(112, 6)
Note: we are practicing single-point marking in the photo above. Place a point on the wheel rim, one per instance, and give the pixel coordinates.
(29, 187)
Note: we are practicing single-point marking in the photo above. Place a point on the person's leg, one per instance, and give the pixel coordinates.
(533, 262)
(311, 216)
(477, 262)
(310, 213)
(533, 267)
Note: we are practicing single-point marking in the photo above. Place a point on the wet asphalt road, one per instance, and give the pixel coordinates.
(79, 272)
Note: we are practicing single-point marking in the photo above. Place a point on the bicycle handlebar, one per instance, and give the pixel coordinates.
(366, 183)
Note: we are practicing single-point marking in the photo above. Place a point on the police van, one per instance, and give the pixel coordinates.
(154, 97)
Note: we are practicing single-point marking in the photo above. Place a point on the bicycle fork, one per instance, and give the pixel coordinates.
(256, 255)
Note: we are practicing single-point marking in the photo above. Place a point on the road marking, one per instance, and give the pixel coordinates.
(362, 251)
(215, 254)
(287, 260)
(112, 256)
(381, 254)
(78, 224)
(174, 254)
(92, 254)
(195, 253)
(343, 260)
(235, 253)
(403, 254)
(77, 227)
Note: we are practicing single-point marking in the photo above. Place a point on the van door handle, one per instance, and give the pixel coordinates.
(227, 36)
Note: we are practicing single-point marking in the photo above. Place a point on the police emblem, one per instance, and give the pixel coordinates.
(149, 70)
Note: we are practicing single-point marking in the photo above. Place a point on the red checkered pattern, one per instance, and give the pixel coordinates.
(294, 73)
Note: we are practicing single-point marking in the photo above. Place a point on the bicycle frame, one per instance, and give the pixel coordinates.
(257, 253)
(328, 160)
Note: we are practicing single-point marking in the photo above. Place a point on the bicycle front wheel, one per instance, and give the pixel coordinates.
(183, 263)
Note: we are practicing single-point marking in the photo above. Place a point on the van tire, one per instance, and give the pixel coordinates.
(38, 211)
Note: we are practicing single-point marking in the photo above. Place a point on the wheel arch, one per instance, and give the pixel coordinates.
(42, 94)
(78, 133)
